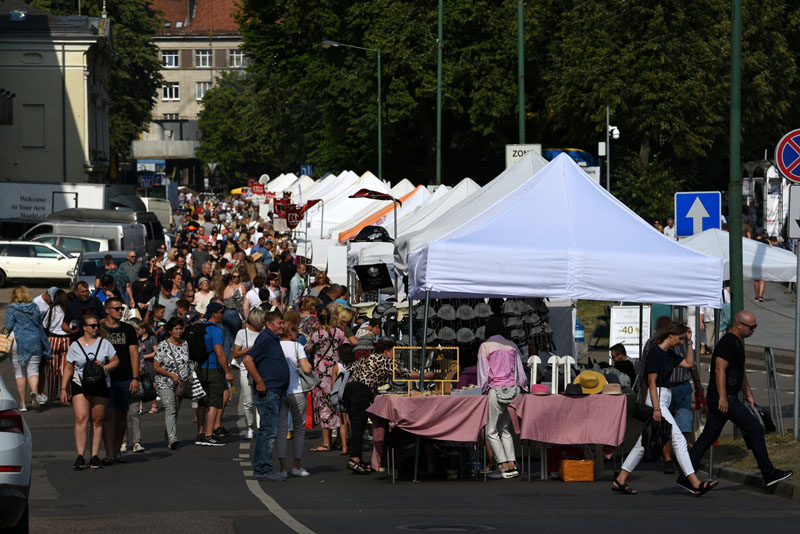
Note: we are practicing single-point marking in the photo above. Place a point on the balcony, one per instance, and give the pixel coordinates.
(164, 149)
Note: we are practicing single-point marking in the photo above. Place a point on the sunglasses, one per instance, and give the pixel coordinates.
(117, 308)
(93, 325)
(750, 326)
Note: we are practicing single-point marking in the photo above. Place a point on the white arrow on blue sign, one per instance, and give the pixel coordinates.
(696, 212)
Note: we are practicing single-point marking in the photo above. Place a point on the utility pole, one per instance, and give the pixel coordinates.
(439, 47)
(521, 68)
(735, 185)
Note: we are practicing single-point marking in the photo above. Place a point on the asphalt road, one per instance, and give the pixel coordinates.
(199, 489)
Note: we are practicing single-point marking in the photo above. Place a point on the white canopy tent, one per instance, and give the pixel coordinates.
(280, 183)
(340, 207)
(385, 214)
(482, 201)
(300, 189)
(365, 207)
(559, 234)
(331, 187)
(759, 260)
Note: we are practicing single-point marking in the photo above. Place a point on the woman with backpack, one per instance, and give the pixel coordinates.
(89, 359)
(500, 375)
(323, 347)
(171, 364)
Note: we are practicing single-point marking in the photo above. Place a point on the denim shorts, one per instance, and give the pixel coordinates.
(681, 406)
(119, 395)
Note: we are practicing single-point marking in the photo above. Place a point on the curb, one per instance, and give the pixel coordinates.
(785, 488)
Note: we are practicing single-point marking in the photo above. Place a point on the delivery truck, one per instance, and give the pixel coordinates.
(37, 200)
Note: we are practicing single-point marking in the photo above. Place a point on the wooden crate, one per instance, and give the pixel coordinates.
(576, 470)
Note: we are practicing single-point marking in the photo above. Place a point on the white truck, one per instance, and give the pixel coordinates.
(37, 200)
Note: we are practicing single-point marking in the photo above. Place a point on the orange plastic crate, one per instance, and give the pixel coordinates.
(576, 470)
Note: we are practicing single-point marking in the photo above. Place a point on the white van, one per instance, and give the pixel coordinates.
(161, 208)
(121, 236)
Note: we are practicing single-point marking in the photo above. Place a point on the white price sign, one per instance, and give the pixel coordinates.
(625, 328)
(514, 153)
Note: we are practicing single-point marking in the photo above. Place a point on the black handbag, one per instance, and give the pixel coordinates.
(147, 389)
(642, 412)
(654, 436)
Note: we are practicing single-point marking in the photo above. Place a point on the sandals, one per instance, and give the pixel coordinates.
(322, 448)
(704, 488)
(624, 489)
(359, 468)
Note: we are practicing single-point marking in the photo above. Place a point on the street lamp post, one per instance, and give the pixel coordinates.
(611, 131)
(328, 44)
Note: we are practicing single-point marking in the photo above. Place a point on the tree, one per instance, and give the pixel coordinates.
(134, 74)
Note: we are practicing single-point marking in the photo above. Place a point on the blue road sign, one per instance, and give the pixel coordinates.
(306, 169)
(696, 212)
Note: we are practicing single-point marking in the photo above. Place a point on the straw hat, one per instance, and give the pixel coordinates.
(612, 389)
(591, 381)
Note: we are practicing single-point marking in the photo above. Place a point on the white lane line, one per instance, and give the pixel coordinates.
(245, 464)
(244, 446)
(255, 488)
(276, 509)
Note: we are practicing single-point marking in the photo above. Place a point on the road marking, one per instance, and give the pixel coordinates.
(255, 488)
(245, 464)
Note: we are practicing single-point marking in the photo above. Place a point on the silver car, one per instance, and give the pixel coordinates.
(90, 263)
(15, 464)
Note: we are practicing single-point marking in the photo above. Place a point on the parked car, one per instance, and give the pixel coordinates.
(89, 264)
(30, 260)
(74, 244)
(16, 448)
(123, 236)
(153, 229)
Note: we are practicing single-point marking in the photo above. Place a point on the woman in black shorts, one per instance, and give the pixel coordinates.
(88, 347)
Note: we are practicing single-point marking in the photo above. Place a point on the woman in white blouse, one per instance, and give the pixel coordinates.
(243, 341)
(171, 365)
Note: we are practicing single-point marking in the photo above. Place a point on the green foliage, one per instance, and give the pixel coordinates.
(134, 73)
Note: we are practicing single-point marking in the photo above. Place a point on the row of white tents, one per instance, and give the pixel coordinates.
(538, 229)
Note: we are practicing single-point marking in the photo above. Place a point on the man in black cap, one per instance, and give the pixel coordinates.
(212, 373)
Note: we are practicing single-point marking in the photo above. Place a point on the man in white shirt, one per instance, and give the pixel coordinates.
(669, 229)
(252, 296)
(44, 300)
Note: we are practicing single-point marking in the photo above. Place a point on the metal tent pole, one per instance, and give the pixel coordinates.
(422, 374)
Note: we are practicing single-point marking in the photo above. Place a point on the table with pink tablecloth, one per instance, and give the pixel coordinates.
(457, 418)
(563, 420)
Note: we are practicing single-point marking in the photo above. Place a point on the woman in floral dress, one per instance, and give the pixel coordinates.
(323, 347)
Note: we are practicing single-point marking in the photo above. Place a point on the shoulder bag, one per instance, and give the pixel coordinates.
(5, 341)
(183, 389)
(307, 381)
(507, 394)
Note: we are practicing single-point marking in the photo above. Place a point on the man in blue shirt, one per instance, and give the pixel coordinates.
(212, 373)
(267, 365)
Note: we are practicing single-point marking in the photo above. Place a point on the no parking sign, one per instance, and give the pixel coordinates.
(787, 155)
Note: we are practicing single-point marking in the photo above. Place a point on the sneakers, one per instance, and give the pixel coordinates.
(301, 472)
(210, 441)
(138, 448)
(43, 399)
(95, 462)
(275, 477)
(200, 439)
(80, 463)
(250, 434)
(510, 473)
(669, 467)
(123, 447)
(776, 476)
(221, 432)
(23, 408)
(35, 401)
(173, 445)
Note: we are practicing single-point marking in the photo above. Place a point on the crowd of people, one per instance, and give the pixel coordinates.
(226, 296)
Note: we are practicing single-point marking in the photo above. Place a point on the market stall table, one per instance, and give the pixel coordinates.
(564, 420)
(450, 418)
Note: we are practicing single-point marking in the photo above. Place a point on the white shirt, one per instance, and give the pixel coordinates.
(669, 232)
(245, 338)
(293, 351)
(102, 350)
(55, 322)
(43, 306)
(253, 298)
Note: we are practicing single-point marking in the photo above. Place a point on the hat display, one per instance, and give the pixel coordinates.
(213, 307)
(573, 390)
(465, 312)
(446, 313)
(540, 389)
(612, 389)
(483, 310)
(446, 334)
(465, 335)
(591, 381)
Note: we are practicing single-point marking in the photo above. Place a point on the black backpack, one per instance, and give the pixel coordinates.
(93, 377)
(195, 336)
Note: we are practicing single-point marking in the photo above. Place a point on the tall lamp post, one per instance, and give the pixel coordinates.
(328, 44)
(611, 131)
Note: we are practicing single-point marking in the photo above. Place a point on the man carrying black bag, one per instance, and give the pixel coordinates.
(727, 380)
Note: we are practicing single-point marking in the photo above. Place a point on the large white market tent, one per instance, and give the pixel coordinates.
(760, 261)
(365, 207)
(282, 182)
(409, 202)
(339, 208)
(559, 234)
(300, 189)
(330, 188)
(480, 202)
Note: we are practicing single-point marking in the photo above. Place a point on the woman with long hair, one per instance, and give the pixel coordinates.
(293, 402)
(88, 400)
(24, 320)
(171, 365)
(59, 344)
(244, 340)
(661, 361)
(323, 346)
(500, 365)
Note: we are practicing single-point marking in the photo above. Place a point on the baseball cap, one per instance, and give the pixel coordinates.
(213, 308)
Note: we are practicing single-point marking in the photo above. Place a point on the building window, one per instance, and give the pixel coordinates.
(202, 58)
(169, 59)
(236, 58)
(170, 116)
(171, 91)
(201, 88)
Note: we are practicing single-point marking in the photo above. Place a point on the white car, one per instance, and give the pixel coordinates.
(16, 448)
(30, 260)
